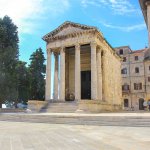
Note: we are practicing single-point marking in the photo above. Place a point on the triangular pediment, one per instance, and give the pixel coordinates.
(68, 28)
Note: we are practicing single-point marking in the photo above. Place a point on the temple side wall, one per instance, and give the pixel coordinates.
(112, 80)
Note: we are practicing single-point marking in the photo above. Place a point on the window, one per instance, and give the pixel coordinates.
(126, 103)
(136, 70)
(124, 59)
(125, 87)
(137, 86)
(136, 58)
(121, 52)
(148, 79)
(124, 71)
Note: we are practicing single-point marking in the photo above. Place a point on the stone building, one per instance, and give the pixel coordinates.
(87, 68)
(135, 76)
(136, 69)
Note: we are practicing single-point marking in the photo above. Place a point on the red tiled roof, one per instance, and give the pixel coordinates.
(138, 51)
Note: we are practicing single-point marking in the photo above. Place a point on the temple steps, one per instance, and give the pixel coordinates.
(79, 119)
(60, 107)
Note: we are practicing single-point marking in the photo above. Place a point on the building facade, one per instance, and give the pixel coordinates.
(86, 67)
(135, 72)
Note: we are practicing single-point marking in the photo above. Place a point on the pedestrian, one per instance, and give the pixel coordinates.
(145, 104)
(149, 105)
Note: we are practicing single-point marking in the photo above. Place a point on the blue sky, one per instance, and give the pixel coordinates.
(120, 21)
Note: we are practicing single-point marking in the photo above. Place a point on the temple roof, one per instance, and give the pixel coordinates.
(68, 28)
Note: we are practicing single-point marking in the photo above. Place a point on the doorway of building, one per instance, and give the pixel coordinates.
(141, 101)
(85, 84)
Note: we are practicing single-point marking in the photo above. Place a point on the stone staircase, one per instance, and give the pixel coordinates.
(79, 119)
(60, 107)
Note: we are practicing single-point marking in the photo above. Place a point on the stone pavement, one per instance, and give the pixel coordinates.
(40, 136)
(103, 119)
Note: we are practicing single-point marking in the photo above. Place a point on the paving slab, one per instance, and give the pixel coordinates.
(41, 136)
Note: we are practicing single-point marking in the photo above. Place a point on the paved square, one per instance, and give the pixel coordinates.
(40, 136)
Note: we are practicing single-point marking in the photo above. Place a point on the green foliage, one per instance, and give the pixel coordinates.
(8, 60)
(37, 75)
(18, 82)
(23, 84)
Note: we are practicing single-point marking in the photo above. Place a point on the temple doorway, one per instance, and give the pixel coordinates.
(85, 84)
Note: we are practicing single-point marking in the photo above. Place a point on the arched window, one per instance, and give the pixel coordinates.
(137, 70)
(121, 52)
(124, 71)
(126, 103)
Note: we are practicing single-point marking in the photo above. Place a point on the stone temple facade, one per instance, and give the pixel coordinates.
(86, 68)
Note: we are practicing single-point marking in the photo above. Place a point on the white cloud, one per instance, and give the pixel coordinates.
(27, 14)
(119, 7)
(125, 28)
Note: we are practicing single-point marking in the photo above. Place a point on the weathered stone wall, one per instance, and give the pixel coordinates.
(111, 64)
(112, 83)
(147, 74)
(98, 106)
(131, 77)
(85, 58)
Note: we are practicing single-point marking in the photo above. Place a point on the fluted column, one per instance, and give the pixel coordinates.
(62, 74)
(48, 76)
(56, 77)
(77, 73)
(93, 71)
(99, 74)
(104, 64)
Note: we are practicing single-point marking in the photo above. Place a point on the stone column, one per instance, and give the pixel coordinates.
(77, 73)
(48, 76)
(56, 77)
(148, 20)
(99, 74)
(104, 64)
(62, 75)
(93, 71)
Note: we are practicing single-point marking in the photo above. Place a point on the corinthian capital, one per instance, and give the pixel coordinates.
(77, 46)
(93, 44)
(49, 51)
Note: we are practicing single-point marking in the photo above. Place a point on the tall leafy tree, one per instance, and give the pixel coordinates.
(23, 78)
(8, 60)
(37, 75)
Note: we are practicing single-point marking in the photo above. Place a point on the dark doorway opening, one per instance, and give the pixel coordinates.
(141, 101)
(85, 84)
(126, 103)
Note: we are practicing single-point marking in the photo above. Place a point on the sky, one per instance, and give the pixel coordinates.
(120, 21)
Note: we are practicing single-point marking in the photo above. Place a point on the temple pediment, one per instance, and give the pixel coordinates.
(68, 28)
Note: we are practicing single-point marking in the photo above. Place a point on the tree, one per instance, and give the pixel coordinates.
(37, 75)
(23, 84)
(9, 53)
